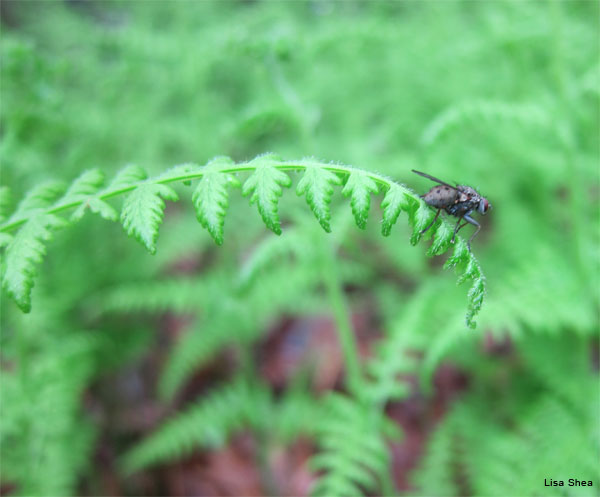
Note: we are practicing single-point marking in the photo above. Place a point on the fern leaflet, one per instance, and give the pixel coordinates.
(317, 183)
(397, 199)
(23, 252)
(143, 212)
(359, 188)
(211, 198)
(265, 187)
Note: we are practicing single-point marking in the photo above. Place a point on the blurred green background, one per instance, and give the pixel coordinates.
(502, 96)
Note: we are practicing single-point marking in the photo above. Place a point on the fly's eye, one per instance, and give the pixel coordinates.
(484, 205)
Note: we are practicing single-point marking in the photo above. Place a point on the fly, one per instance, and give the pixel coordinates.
(458, 201)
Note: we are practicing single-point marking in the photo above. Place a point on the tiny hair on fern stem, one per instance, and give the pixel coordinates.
(37, 216)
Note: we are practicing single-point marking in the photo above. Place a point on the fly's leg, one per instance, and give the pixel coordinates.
(456, 228)
(469, 219)
(423, 231)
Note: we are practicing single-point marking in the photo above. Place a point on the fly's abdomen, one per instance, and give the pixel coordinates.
(440, 197)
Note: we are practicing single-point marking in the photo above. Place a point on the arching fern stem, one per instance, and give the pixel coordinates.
(186, 173)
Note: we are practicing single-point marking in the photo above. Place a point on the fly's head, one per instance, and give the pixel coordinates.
(483, 206)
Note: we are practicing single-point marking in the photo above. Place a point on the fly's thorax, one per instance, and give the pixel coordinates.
(468, 191)
(459, 209)
(468, 194)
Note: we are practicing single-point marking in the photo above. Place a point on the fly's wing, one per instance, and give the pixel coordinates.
(434, 179)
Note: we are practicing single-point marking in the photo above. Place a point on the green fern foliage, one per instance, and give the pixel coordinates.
(143, 212)
(397, 199)
(237, 406)
(180, 295)
(462, 257)
(144, 205)
(23, 253)
(86, 184)
(128, 176)
(511, 420)
(397, 355)
(317, 184)
(359, 188)
(420, 217)
(40, 197)
(83, 191)
(441, 239)
(328, 332)
(265, 186)
(472, 451)
(45, 442)
(211, 198)
(97, 206)
(230, 310)
(479, 112)
(209, 424)
(354, 455)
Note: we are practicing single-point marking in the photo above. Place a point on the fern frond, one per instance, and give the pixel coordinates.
(143, 212)
(273, 250)
(143, 208)
(294, 415)
(38, 198)
(224, 313)
(549, 360)
(489, 437)
(546, 302)
(208, 424)
(46, 453)
(265, 187)
(354, 457)
(462, 257)
(435, 475)
(396, 354)
(196, 346)
(211, 198)
(23, 252)
(180, 295)
(483, 111)
(359, 188)
(317, 184)
(242, 321)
